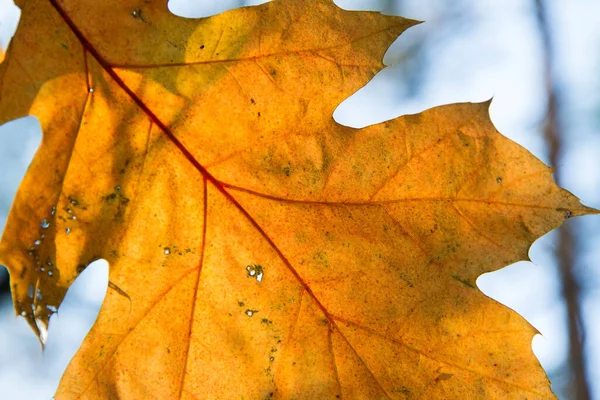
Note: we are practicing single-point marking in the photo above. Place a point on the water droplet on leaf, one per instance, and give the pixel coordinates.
(43, 328)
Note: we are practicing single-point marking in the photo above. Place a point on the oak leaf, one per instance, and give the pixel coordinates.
(257, 248)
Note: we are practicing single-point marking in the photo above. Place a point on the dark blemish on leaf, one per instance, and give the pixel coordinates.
(241, 303)
(273, 73)
(408, 283)
(499, 179)
(202, 47)
(137, 14)
(23, 272)
(266, 321)
(258, 114)
(567, 212)
(402, 389)
(443, 377)
(457, 278)
(287, 171)
(252, 101)
(120, 291)
(80, 268)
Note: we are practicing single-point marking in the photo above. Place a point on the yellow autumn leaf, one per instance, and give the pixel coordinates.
(257, 248)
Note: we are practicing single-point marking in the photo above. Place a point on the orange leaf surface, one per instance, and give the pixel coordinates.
(257, 248)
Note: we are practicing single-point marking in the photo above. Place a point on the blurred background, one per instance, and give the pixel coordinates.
(538, 59)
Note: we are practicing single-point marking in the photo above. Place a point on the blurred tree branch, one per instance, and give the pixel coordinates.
(567, 243)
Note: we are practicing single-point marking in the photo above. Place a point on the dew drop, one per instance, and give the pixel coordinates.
(49, 263)
(249, 313)
(51, 308)
(117, 188)
(53, 211)
(43, 269)
(30, 291)
(42, 236)
(23, 313)
(37, 242)
(38, 294)
(45, 224)
(255, 271)
(134, 13)
(272, 358)
(91, 90)
(43, 328)
(167, 251)
(50, 273)
(68, 230)
(69, 211)
(73, 217)
(499, 180)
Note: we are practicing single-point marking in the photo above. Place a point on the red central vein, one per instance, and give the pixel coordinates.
(189, 156)
(208, 177)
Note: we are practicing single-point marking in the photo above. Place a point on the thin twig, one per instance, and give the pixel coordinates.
(567, 240)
